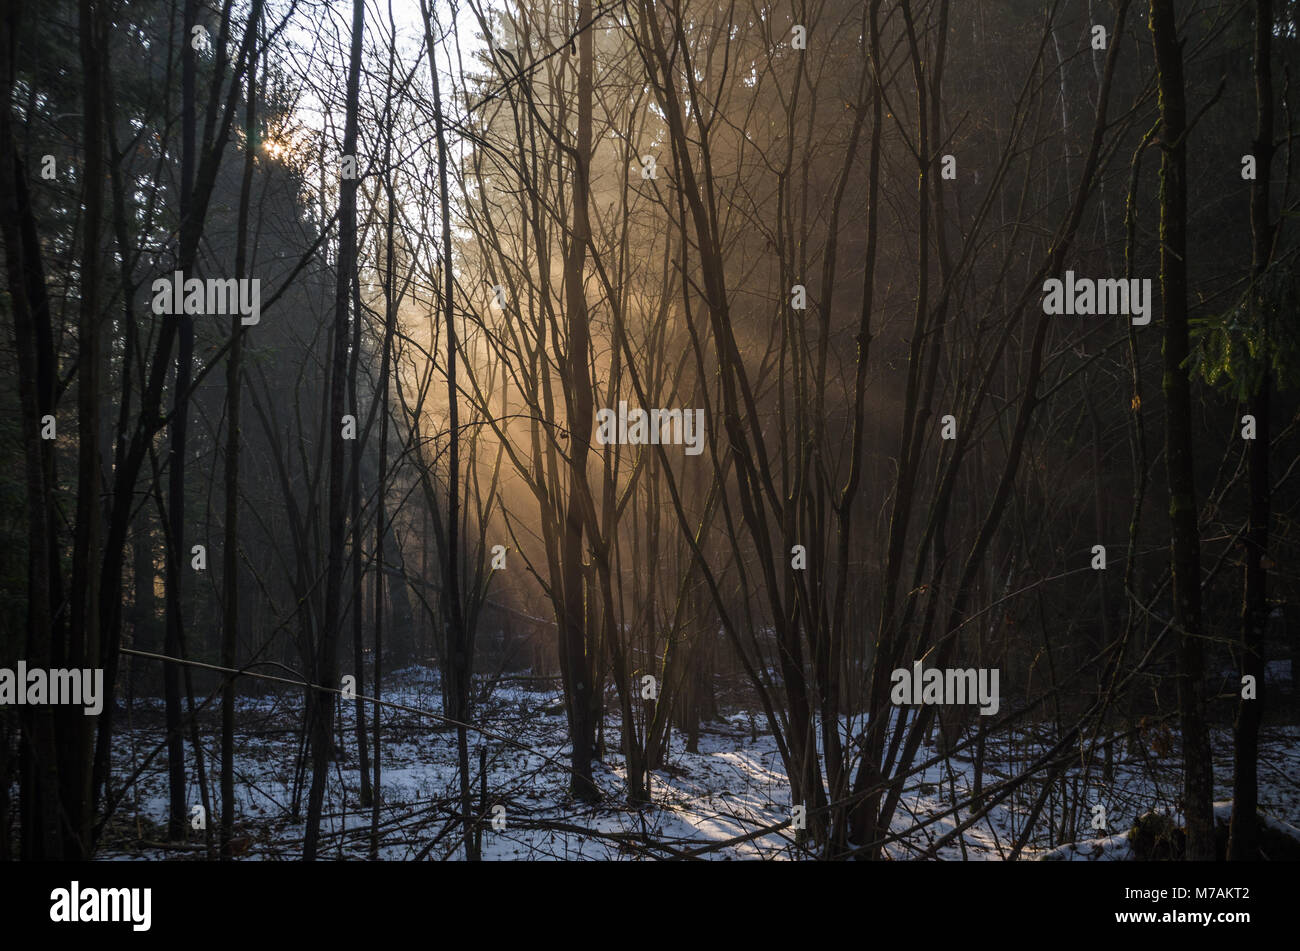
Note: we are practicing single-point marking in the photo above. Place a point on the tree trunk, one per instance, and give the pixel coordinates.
(577, 661)
(320, 703)
(358, 651)
(176, 557)
(1243, 833)
(38, 766)
(230, 548)
(381, 526)
(1185, 549)
(77, 731)
(459, 659)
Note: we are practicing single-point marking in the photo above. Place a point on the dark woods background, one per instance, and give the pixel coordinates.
(616, 202)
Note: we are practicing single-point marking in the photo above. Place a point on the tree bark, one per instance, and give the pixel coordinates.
(459, 643)
(1243, 833)
(77, 731)
(358, 651)
(39, 768)
(176, 555)
(230, 548)
(1185, 548)
(324, 673)
(577, 661)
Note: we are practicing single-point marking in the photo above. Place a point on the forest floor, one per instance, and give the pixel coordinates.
(733, 787)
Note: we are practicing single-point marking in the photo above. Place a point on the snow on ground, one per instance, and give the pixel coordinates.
(734, 785)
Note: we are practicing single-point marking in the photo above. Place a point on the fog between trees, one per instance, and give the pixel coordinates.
(672, 371)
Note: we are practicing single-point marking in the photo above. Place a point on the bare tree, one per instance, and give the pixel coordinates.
(324, 669)
(1185, 545)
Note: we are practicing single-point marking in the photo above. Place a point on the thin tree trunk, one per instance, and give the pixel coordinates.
(230, 550)
(324, 673)
(576, 656)
(358, 651)
(176, 554)
(459, 660)
(77, 731)
(381, 526)
(1243, 834)
(1185, 549)
(38, 767)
